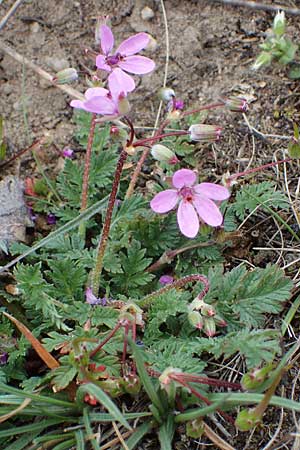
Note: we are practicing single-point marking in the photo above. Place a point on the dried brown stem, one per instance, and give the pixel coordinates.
(41, 72)
(260, 6)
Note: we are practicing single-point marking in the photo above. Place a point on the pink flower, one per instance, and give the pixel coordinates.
(195, 201)
(124, 57)
(102, 101)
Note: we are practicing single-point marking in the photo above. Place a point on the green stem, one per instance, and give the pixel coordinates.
(107, 222)
(47, 180)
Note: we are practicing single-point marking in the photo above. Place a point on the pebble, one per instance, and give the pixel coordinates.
(147, 13)
(35, 27)
(56, 64)
(7, 88)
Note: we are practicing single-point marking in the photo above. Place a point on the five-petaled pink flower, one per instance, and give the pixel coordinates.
(102, 101)
(195, 200)
(124, 57)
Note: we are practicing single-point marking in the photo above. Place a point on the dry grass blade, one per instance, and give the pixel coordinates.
(38, 347)
(219, 442)
(115, 441)
(15, 411)
(120, 436)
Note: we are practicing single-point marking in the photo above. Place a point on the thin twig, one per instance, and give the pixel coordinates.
(10, 12)
(217, 440)
(41, 72)
(260, 6)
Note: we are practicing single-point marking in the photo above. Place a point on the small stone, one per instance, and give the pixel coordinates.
(147, 13)
(57, 64)
(35, 27)
(7, 88)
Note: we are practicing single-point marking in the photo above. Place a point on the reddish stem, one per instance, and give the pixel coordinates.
(206, 380)
(258, 169)
(107, 222)
(110, 335)
(177, 283)
(202, 108)
(206, 401)
(33, 146)
(126, 327)
(141, 142)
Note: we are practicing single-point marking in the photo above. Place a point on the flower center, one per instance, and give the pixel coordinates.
(113, 60)
(186, 193)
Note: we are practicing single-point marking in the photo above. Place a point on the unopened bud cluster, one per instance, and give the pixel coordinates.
(204, 317)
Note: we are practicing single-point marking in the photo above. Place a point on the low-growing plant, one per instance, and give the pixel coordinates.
(126, 323)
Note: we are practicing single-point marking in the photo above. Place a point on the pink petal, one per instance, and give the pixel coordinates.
(137, 64)
(95, 92)
(164, 201)
(208, 210)
(77, 104)
(187, 219)
(101, 64)
(183, 177)
(100, 105)
(119, 81)
(133, 45)
(212, 191)
(107, 39)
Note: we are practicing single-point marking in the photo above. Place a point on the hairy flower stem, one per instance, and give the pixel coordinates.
(107, 222)
(205, 400)
(146, 301)
(169, 255)
(86, 172)
(258, 169)
(111, 334)
(202, 108)
(141, 161)
(158, 137)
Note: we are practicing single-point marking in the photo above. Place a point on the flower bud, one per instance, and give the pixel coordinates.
(68, 153)
(196, 320)
(131, 384)
(195, 428)
(209, 327)
(279, 24)
(166, 279)
(264, 58)
(163, 154)
(236, 104)
(123, 105)
(220, 322)
(166, 94)
(247, 419)
(294, 148)
(253, 379)
(208, 310)
(65, 76)
(205, 133)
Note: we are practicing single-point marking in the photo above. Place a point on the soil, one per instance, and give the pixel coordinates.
(212, 49)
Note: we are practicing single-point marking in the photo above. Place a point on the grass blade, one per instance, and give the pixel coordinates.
(144, 377)
(166, 433)
(87, 214)
(79, 436)
(29, 428)
(89, 431)
(138, 435)
(104, 399)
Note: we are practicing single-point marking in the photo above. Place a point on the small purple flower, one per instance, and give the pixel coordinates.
(102, 101)
(166, 279)
(176, 105)
(93, 300)
(68, 153)
(32, 214)
(124, 57)
(195, 201)
(3, 358)
(51, 219)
